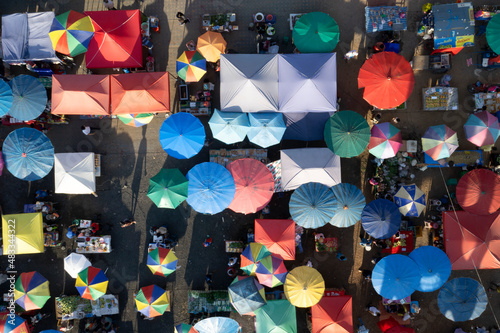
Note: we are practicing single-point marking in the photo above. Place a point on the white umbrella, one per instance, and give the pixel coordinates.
(75, 263)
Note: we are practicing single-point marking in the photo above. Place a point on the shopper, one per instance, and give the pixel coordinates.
(87, 130)
(109, 4)
(127, 223)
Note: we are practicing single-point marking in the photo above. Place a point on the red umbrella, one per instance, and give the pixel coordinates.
(254, 185)
(388, 80)
(478, 192)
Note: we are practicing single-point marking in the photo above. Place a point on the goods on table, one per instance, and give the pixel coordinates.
(386, 18)
(94, 244)
(325, 244)
(490, 100)
(224, 157)
(208, 301)
(234, 246)
(440, 98)
(74, 307)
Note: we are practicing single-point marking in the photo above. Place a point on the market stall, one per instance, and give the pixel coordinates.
(226, 156)
(76, 307)
(440, 98)
(208, 301)
(402, 242)
(385, 18)
(490, 100)
(219, 22)
(93, 244)
(453, 25)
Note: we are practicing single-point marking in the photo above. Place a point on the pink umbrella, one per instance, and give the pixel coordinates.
(482, 128)
(385, 140)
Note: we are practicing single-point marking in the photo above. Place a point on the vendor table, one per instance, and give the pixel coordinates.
(325, 244)
(440, 98)
(226, 156)
(51, 239)
(401, 244)
(234, 247)
(406, 300)
(490, 100)
(84, 308)
(386, 18)
(40, 206)
(219, 22)
(453, 25)
(93, 244)
(208, 301)
(460, 158)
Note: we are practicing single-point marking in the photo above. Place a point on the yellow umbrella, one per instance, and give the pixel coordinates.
(211, 45)
(304, 286)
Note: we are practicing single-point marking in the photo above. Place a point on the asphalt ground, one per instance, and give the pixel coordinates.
(131, 156)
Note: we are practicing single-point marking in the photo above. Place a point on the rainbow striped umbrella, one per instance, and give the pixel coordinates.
(251, 256)
(271, 272)
(439, 142)
(482, 128)
(191, 66)
(31, 291)
(13, 324)
(185, 328)
(71, 33)
(151, 301)
(136, 120)
(162, 261)
(385, 140)
(91, 283)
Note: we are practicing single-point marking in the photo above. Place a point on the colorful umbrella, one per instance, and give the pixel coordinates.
(91, 283)
(6, 98)
(185, 328)
(251, 256)
(211, 188)
(217, 325)
(271, 272)
(245, 295)
(304, 286)
(387, 78)
(191, 66)
(12, 323)
(315, 32)
(439, 142)
(229, 127)
(349, 202)
(136, 120)
(381, 219)
(71, 33)
(482, 128)
(31, 291)
(182, 135)
(493, 34)
(385, 140)
(410, 200)
(28, 154)
(312, 205)
(151, 301)
(462, 299)
(395, 277)
(168, 188)
(254, 185)
(347, 133)
(266, 129)
(162, 261)
(75, 263)
(478, 192)
(211, 45)
(29, 97)
(434, 266)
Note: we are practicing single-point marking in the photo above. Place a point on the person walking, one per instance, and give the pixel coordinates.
(373, 310)
(87, 130)
(182, 18)
(109, 4)
(127, 223)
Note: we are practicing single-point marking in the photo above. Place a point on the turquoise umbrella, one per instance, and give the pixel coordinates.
(266, 129)
(312, 205)
(316, 32)
(229, 127)
(347, 133)
(5, 98)
(493, 33)
(29, 97)
(348, 205)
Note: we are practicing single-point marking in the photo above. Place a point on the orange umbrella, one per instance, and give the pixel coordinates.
(388, 80)
(211, 45)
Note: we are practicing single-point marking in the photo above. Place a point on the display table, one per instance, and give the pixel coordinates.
(219, 22)
(226, 156)
(453, 25)
(325, 244)
(234, 247)
(208, 301)
(490, 100)
(440, 98)
(460, 158)
(406, 300)
(401, 244)
(51, 239)
(386, 18)
(84, 308)
(197, 108)
(93, 244)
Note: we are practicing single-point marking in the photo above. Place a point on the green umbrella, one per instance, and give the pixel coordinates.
(347, 133)
(168, 188)
(493, 33)
(316, 32)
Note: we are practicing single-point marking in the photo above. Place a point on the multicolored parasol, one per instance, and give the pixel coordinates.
(91, 283)
(410, 200)
(191, 66)
(71, 33)
(162, 261)
(251, 257)
(385, 140)
(271, 272)
(151, 301)
(185, 328)
(31, 291)
(12, 323)
(439, 142)
(482, 128)
(136, 120)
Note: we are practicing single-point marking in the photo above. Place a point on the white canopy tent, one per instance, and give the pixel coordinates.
(74, 173)
(75, 263)
(306, 165)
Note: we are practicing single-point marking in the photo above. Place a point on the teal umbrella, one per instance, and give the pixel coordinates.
(349, 204)
(29, 97)
(168, 188)
(316, 32)
(5, 98)
(347, 133)
(493, 33)
(312, 205)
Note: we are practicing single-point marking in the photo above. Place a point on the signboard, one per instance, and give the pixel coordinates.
(453, 25)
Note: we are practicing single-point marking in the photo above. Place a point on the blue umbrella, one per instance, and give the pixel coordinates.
(229, 127)
(5, 98)
(28, 154)
(29, 97)
(245, 295)
(211, 188)
(462, 299)
(395, 277)
(434, 267)
(348, 206)
(381, 218)
(312, 205)
(182, 135)
(410, 200)
(266, 129)
(217, 325)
